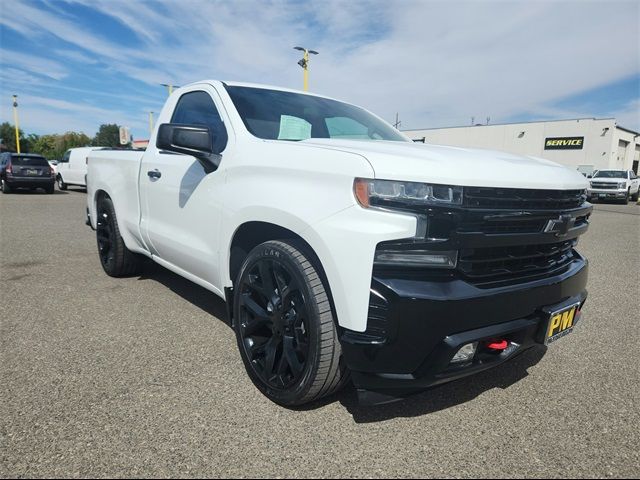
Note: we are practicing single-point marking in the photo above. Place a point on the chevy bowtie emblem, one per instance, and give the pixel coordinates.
(561, 226)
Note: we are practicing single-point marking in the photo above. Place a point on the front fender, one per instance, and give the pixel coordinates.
(345, 244)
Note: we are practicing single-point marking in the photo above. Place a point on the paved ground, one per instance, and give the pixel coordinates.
(141, 377)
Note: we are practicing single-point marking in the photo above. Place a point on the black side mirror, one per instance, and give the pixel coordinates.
(589, 176)
(194, 140)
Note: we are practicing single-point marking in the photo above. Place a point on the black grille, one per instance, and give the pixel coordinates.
(604, 185)
(487, 264)
(512, 226)
(517, 198)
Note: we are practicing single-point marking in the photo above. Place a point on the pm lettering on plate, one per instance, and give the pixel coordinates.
(560, 324)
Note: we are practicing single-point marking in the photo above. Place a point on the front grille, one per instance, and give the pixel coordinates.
(519, 198)
(512, 226)
(604, 186)
(498, 263)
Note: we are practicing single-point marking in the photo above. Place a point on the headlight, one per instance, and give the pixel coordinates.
(591, 184)
(622, 185)
(390, 193)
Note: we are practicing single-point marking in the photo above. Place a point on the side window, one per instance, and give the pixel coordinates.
(65, 157)
(197, 108)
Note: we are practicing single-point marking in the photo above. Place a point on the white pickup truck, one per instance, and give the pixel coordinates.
(343, 249)
(614, 185)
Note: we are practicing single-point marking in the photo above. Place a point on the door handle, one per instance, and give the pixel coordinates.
(154, 173)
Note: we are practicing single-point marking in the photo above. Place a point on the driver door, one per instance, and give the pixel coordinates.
(181, 203)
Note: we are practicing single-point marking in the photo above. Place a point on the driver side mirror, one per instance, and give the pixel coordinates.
(589, 176)
(194, 140)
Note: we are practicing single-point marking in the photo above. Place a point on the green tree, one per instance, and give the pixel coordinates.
(8, 136)
(54, 146)
(45, 145)
(27, 145)
(108, 136)
(71, 140)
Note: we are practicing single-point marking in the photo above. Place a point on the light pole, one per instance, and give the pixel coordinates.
(304, 63)
(15, 120)
(170, 87)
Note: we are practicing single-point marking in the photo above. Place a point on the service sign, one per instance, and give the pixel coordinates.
(564, 143)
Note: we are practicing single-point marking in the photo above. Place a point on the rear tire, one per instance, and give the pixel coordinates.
(61, 184)
(636, 195)
(5, 187)
(285, 326)
(116, 259)
(50, 189)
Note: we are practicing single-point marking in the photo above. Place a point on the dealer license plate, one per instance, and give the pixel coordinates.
(561, 323)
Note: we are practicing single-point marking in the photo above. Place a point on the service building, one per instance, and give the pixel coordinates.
(585, 144)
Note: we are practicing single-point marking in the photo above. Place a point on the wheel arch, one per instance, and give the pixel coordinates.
(252, 233)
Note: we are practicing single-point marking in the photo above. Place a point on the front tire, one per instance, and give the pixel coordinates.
(116, 259)
(5, 186)
(635, 196)
(285, 326)
(61, 184)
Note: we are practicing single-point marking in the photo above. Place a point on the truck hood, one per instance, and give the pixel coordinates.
(457, 166)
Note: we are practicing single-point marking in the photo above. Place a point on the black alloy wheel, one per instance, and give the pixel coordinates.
(116, 259)
(285, 326)
(104, 235)
(273, 320)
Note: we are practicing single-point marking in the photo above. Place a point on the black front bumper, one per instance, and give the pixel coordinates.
(417, 325)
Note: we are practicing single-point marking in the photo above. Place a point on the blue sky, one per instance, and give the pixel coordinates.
(78, 63)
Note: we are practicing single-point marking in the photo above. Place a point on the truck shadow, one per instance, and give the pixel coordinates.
(195, 294)
(444, 396)
(424, 403)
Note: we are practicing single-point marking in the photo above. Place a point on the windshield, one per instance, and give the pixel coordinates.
(610, 174)
(277, 115)
(29, 161)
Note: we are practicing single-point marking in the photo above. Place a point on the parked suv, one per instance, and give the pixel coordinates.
(25, 170)
(614, 185)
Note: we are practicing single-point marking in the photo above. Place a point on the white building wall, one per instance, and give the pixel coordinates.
(624, 162)
(600, 147)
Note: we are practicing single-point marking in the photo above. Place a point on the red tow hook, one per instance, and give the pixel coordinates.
(498, 345)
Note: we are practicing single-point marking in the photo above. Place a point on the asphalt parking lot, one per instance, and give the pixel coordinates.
(141, 377)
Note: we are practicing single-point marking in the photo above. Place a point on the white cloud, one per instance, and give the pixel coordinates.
(34, 64)
(436, 63)
(629, 115)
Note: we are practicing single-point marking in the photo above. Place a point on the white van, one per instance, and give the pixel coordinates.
(72, 168)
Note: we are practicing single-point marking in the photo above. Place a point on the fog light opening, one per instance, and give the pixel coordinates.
(465, 354)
